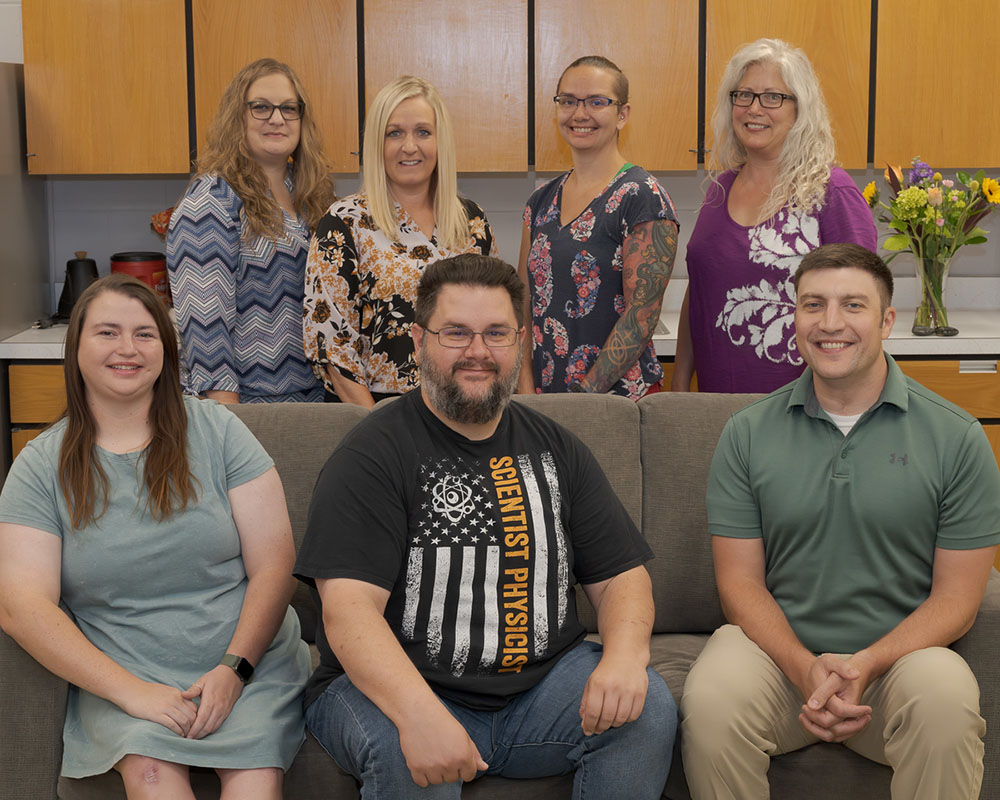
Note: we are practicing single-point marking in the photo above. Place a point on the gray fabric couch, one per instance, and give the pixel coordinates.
(656, 454)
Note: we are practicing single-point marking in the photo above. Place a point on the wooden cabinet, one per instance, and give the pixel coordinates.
(37, 397)
(476, 55)
(105, 86)
(655, 44)
(318, 40)
(935, 83)
(835, 37)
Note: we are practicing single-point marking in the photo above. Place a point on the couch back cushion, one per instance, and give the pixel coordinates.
(679, 432)
(300, 438)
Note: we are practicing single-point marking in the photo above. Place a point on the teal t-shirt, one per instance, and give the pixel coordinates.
(850, 524)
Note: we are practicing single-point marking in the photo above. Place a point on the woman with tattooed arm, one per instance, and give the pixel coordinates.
(597, 251)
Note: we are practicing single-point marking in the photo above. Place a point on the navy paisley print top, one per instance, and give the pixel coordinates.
(575, 278)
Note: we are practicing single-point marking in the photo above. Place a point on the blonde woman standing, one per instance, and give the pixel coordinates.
(370, 249)
(775, 196)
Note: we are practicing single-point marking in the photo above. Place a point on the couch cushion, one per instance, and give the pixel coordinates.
(300, 438)
(679, 431)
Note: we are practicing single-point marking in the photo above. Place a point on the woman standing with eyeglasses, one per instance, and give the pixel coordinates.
(371, 248)
(597, 250)
(238, 241)
(775, 196)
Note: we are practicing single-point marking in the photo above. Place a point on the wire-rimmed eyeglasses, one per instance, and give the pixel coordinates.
(456, 336)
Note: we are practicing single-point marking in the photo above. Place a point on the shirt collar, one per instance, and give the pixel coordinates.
(894, 392)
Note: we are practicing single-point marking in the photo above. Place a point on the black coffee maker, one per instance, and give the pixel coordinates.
(80, 273)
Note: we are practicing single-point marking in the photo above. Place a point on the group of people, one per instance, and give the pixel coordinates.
(284, 293)
(146, 554)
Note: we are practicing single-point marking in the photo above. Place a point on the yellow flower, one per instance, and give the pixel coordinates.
(869, 194)
(991, 188)
(934, 196)
(936, 177)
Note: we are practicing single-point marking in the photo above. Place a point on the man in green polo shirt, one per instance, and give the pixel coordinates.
(854, 518)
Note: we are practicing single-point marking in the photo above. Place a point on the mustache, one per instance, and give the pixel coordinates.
(472, 363)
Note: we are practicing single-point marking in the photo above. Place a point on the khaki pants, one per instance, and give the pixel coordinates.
(738, 709)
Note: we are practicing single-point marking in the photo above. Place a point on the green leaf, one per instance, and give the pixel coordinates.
(963, 177)
(980, 176)
(896, 225)
(897, 242)
(974, 240)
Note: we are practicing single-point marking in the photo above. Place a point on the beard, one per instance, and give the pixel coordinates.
(451, 400)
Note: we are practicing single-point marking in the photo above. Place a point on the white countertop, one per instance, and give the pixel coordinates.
(973, 309)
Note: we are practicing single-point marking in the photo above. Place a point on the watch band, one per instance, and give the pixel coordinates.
(239, 665)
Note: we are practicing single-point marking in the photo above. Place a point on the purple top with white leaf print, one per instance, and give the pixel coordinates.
(575, 278)
(741, 306)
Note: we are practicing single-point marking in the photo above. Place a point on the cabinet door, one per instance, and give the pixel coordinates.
(655, 44)
(836, 38)
(105, 85)
(317, 39)
(476, 55)
(935, 89)
(976, 392)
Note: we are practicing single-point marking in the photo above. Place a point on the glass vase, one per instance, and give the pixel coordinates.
(931, 317)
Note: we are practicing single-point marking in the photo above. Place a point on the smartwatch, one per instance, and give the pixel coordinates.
(239, 665)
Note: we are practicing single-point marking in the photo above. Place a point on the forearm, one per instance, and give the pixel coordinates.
(226, 398)
(684, 353)
(648, 256)
(625, 615)
(264, 607)
(347, 390)
(752, 607)
(375, 662)
(49, 636)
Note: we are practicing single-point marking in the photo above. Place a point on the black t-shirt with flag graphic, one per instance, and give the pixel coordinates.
(478, 543)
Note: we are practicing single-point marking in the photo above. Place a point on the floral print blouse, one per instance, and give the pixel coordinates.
(360, 288)
(575, 278)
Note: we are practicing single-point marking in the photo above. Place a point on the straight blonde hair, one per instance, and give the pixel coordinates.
(451, 221)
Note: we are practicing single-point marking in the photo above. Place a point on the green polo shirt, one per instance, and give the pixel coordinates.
(850, 523)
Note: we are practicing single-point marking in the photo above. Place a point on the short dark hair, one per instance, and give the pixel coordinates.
(621, 82)
(469, 269)
(848, 254)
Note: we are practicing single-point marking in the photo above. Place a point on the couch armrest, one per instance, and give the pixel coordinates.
(980, 648)
(32, 710)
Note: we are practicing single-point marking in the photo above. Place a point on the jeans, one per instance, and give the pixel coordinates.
(536, 734)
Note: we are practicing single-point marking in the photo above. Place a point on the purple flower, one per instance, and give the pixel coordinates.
(921, 171)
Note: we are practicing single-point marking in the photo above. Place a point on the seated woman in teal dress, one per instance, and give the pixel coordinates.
(160, 524)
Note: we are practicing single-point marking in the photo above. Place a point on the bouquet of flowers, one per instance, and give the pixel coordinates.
(933, 217)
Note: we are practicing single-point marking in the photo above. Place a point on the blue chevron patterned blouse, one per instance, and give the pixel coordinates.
(238, 302)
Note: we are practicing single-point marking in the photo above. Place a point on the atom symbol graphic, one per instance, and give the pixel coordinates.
(452, 498)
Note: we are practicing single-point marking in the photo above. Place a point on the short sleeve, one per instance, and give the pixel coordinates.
(606, 541)
(732, 510)
(31, 494)
(969, 513)
(357, 520)
(643, 200)
(845, 216)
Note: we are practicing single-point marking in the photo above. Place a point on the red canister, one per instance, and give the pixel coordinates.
(150, 268)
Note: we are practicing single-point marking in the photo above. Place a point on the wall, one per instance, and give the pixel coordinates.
(10, 32)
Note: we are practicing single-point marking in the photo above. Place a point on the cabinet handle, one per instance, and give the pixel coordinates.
(977, 367)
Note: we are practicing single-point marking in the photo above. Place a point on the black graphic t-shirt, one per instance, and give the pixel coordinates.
(478, 543)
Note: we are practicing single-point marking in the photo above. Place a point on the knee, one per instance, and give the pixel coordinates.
(657, 724)
(136, 769)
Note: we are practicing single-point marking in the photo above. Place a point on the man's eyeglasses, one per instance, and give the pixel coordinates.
(261, 109)
(745, 99)
(462, 337)
(567, 102)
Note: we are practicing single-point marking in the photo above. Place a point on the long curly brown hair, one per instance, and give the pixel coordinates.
(227, 155)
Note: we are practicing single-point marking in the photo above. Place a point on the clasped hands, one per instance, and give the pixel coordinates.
(833, 688)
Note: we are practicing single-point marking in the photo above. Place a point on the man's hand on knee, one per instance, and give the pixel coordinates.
(438, 749)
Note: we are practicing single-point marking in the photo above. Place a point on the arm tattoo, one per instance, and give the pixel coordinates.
(648, 254)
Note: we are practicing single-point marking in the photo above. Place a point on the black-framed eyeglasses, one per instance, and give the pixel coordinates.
(744, 98)
(567, 102)
(457, 336)
(261, 109)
